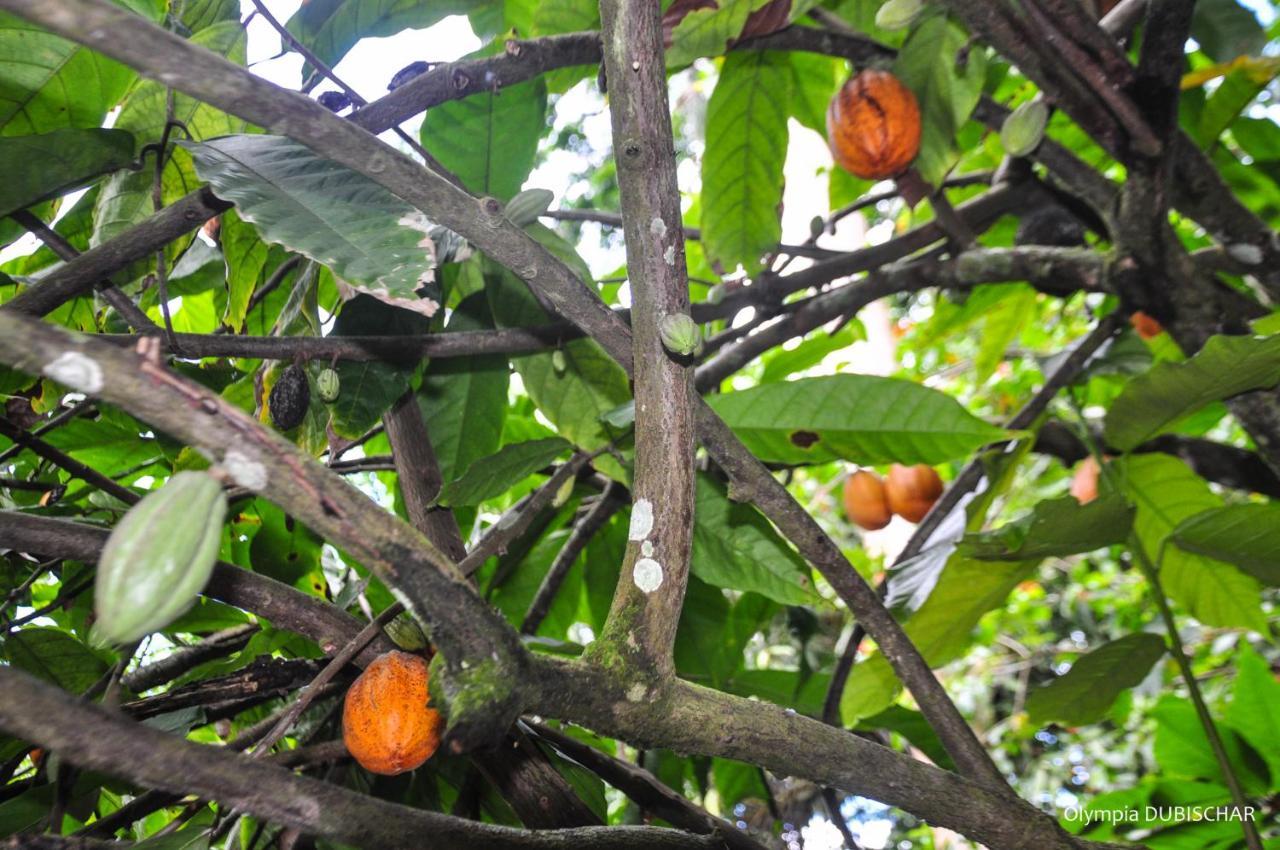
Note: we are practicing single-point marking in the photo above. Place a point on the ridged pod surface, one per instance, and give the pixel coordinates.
(159, 557)
(912, 490)
(865, 502)
(873, 125)
(386, 723)
(289, 399)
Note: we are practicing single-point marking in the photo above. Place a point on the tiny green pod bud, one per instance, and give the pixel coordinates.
(405, 632)
(1024, 128)
(158, 558)
(898, 14)
(525, 207)
(558, 362)
(328, 385)
(680, 334)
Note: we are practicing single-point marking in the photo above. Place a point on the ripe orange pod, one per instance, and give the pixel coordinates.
(386, 723)
(873, 125)
(865, 502)
(1084, 484)
(912, 490)
(1146, 325)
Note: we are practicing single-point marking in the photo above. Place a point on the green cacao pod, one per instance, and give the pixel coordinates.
(898, 14)
(1024, 127)
(525, 207)
(406, 633)
(158, 557)
(328, 385)
(680, 334)
(290, 398)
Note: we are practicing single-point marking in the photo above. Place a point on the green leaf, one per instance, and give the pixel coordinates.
(815, 81)
(464, 399)
(34, 168)
(941, 627)
(1226, 366)
(489, 140)
(913, 726)
(929, 64)
(249, 261)
(1245, 535)
(324, 211)
(1225, 30)
(709, 31)
(553, 17)
(494, 475)
(1056, 528)
(329, 28)
(1166, 492)
(734, 547)
(1001, 328)
(866, 419)
(746, 149)
(49, 83)
(1254, 710)
(1182, 747)
(1229, 99)
(1084, 694)
(199, 14)
(55, 656)
(370, 387)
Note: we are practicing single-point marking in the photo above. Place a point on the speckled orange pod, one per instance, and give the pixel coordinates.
(386, 723)
(873, 125)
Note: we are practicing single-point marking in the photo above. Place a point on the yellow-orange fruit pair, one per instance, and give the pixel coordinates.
(386, 723)
(865, 502)
(912, 490)
(873, 126)
(1084, 484)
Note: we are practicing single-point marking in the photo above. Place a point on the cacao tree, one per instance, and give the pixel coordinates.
(732, 423)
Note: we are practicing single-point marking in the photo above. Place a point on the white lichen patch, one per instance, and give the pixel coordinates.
(641, 520)
(1243, 252)
(669, 255)
(658, 227)
(636, 693)
(75, 370)
(646, 548)
(246, 471)
(647, 574)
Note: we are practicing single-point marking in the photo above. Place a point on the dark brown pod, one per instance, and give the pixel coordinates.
(290, 398)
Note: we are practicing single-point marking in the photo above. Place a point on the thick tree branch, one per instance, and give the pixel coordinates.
(92, 737)
(641, 628)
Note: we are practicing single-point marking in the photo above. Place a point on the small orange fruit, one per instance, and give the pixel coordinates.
(912, 490)
(865, 502)
(1146, 326)
(873, 125)
(386, 723)
(1084, 484)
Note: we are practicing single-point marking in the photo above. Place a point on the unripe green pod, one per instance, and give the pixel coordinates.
(898, 14)
(525, 207)
(405, 632)
(328, 385)
(158, 558)
(680, 334)
(1023, 129)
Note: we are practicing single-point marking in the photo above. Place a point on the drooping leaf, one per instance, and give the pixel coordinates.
(734, 547)
(1238, 89)
(464, 400)
(1254, 710)
(494, 475)
(324, 211)
(34, 168)
(1245, 535)
(1056, 528)
(1224, 367)
(55, 656)
(1085, 693)
(742, 167)
(249, 262)
(946, 88)
(866, 419)
(489, 140)
(1166, 492)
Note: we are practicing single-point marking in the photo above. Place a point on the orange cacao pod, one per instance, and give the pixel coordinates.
(912, 490)
(873, 125)
(386, 724)
(865, 502)
(1146, 325)
(1084, 484)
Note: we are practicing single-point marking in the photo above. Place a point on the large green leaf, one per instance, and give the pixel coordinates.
(325, 211)
(1055, 528)
(862, 418)
(370, 387)
(1085, 693)
(1155, 401)
(489, 140)
(464, 399)
(947, 89)
(1245, 535)
(816, 79)
(249, 262)
(940, 629)
(55, 656)
(494, 475)
(329, 28)
(552, 17)
(1166, 492)
(49, 83)
(33, 168)
(734, 547)
(1254, 710)
(126, 198)
(1182, 747)
(742, 166)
